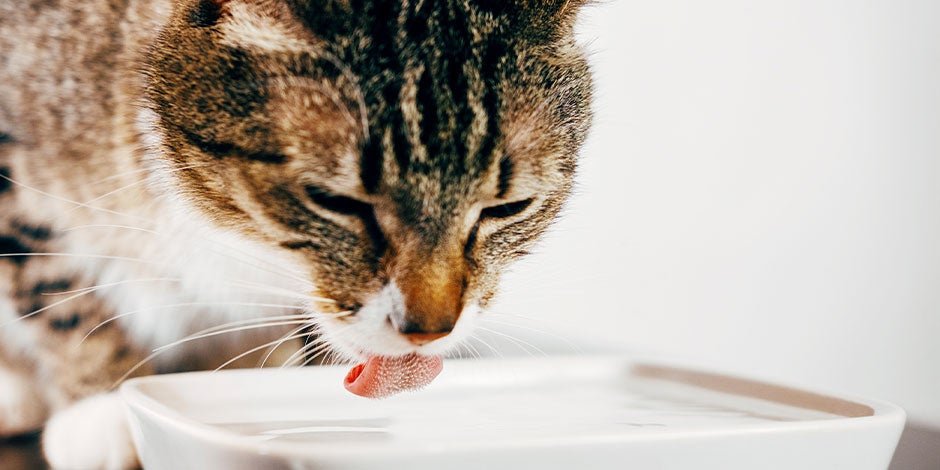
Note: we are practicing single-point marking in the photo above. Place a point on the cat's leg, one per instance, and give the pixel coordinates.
(92, 433)
(80, 358)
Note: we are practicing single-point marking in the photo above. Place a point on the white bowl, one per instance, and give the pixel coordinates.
(548, 413)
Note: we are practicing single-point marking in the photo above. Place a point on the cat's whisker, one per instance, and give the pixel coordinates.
(336, 359)
(241, 325)
(109, 193)
(314, 354)
(280, 270)
(256, 349)
(125, 227)
(237, 329)
(268, 289)
(464, 351)
(112, 284)
(277, 269)
(474, 353)
(142, 170)
(299, 316)
(326, 352)
(259, 286)
(43, 309)
(120, 175)
(88, 290)
(184, 304)
(66, 200)
(318, 345)
(330, 357)
(283, 339)
(82, 255)
(518, 342)
(568, 342)
(296, 355)
(154, 354)
(496, 352)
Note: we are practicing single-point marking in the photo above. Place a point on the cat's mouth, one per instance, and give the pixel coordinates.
(383, 376)
(387, 360)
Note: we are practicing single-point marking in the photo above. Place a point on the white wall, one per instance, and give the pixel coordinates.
(761, 193)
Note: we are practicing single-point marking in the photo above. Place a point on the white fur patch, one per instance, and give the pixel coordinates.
(371, 332)
(21, 409)
(91, 434)
(252, 28)
(218, 278)
(191, 276)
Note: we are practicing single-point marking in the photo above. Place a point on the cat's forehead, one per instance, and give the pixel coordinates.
(431, 103)
(428, 83)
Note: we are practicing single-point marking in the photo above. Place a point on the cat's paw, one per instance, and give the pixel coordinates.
(91, 434)
(21, 408)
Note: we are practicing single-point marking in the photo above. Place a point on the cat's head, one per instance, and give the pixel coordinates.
(404, 151)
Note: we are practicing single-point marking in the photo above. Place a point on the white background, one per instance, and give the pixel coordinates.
(761, 194)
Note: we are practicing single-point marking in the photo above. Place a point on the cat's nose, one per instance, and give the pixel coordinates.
(432, 285)
(431, 307)
(421, 328)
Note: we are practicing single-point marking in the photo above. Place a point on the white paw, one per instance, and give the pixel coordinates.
(91, 434)
(21, 408)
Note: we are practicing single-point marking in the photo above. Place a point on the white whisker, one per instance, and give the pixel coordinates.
(109, 193)
(68, 201)
(231, 330)
(488, 345)
(283, 339)
(82, 255)
(125, 227)
(316, 347)
(43, 309)
(227, 252)
(567, 341)
(314, 354)
(309, 348)
(256, 349)
(185, 304)
(112, 284)
(514, 340)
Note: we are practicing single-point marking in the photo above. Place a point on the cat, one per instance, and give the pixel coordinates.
(185, 182)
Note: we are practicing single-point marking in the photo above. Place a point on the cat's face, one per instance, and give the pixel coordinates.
(404, 151)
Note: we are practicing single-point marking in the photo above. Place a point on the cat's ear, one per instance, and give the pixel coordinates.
(539, 19)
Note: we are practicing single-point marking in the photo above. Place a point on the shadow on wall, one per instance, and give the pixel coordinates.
(919, 449)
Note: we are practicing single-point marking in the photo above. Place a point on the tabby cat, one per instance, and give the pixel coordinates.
(211, 178)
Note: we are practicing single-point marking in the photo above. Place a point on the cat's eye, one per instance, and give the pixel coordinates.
(338, 204)
(351, 207)
(505, 211)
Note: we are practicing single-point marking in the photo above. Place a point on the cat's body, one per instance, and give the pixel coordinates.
(370, 165)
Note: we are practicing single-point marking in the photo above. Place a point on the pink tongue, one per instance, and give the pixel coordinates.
(382, 377)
